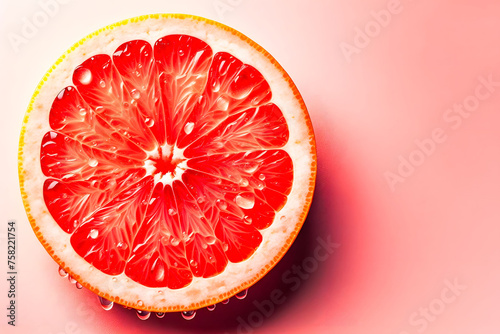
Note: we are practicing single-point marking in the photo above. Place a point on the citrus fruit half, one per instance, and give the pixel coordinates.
(167, 162)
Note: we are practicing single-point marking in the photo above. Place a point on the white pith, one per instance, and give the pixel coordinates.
(200, 289)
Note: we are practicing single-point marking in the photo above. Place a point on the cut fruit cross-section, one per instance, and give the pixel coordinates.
(167, 171)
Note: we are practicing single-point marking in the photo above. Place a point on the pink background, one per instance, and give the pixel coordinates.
(399, 246)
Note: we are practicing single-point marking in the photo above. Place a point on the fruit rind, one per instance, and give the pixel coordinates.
(237, 276)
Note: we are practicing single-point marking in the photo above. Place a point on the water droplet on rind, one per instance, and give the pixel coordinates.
(160, 315)
(225, 301)
(78, 285)
(143, 315)
(188, 315)
(211, 307)
(242, 294)
(106, 304)
(62, 272)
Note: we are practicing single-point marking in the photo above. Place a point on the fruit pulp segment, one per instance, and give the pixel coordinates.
(173, 109)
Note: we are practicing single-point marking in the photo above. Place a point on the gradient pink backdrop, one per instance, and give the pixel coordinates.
(399, 246)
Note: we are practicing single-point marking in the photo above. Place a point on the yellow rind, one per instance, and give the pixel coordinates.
(289, 241)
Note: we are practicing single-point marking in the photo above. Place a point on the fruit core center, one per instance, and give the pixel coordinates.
(166, 164)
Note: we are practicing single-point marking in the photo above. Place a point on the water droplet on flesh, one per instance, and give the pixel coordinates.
(175, 242)
(211, 240)
(244, 182)
(193, 263)
(245, 200)
(84, 75)
(135, 93)
(102, 83)
(143, 315)
(94, 233)
(247, 220)
(262, 177)
(106, 304)
(250, 168)
(172, 212)
(225, 247)
(149, 122)
(242, 294)
(93, 162)
(188, 128)
(188, 315)
(221, 204)
(140, 303)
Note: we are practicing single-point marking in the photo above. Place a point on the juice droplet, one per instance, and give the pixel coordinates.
(143, 315)
(225, 301)
(106, 304)
(93, 233)
(149, 122)
(188, 128)
(262, 177)
(83, 75)
(242, 294)
(211, 307)
(225, 247)
(247, 220)
(172, 212)
(245, 200)
(135, 94)
(62, 272)
(93, 162)
(193, 263)
(175, 242)
(188, 315)
(160, 314)
(102, 83)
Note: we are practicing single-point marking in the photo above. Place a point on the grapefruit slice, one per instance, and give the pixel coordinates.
(167, 162)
